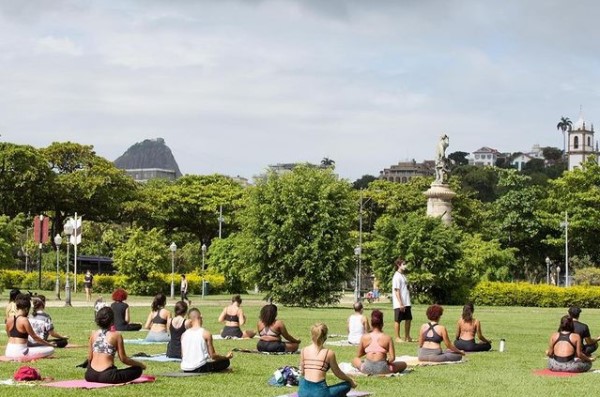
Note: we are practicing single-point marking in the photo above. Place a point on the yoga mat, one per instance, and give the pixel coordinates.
(350, 370)
(22, 359)
(413, 361)
(141, 342)
(351, 393)
(547, 372)
(83, 384)
(236, 349)
(181, 374)
(341, 343)
(161, 358)
(219, 337)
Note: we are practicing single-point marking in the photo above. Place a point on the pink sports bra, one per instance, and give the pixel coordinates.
(374, 346)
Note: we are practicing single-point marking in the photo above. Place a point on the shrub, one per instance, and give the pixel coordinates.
(587, 276)
(538, 295)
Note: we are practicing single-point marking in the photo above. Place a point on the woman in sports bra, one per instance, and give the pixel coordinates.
(466, 329)
(565, 347)
(157, 320)
(270, 331)
(233, 317)
(177, 326)
(378, 349)
(103, 346)
(19, 329)
(431, 337)
(314, 364)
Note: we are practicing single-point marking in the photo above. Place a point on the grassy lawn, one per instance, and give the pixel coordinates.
(526, 331)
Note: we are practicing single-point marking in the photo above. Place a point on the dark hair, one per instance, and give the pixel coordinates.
(566, 324)
(434, 312)
(183, 276)
(181, 308)
(268, 314)
(236, 298)
(399, 261)
(105, 317)
(23, 302)
(574, 312)
(160, 300)
(357, 306)
(377, 319)
(39, 302)
(12, 295)
(119, 295)
(467, 313)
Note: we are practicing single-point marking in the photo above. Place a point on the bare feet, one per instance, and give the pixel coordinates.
(409, 339)
(398, 340)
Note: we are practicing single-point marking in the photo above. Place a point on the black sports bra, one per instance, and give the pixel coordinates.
(158, 319)
(564, 338)
(14, 332)
(233, 319)
(435, 338)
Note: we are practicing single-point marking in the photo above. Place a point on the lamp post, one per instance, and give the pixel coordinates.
(173, 248)
(57, 243)
(565, 224)
(221, 219)
(68, 229)
(357, 252)
(203, 248)
(548, 263)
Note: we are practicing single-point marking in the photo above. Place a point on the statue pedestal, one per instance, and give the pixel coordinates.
(439, 202)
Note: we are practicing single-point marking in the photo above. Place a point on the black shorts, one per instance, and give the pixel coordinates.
(402, 315)
(232, 332)
(270, 346)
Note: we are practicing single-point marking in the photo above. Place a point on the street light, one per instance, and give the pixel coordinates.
(68, 229)
(357, 252)
(548, 263)
(221, 219)
(57, 243)
(203, 248)
(565, 224)
(173, 248)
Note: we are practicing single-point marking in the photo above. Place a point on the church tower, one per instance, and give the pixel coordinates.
(581, 143)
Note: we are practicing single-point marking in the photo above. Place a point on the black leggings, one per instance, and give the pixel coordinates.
(113, 375)
(130, 327)
(212, 366)
(270, 346)
(589, 349)
(471, 346)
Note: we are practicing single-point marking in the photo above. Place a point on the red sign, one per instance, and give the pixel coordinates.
(41, 228)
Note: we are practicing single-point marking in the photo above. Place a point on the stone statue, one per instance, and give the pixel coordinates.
(442, 165)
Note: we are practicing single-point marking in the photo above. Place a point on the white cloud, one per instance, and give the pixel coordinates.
(58, 45)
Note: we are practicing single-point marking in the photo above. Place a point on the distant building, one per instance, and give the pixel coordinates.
(581, 143)
(519, 160)
(404, 171)
(145, 174)
(241, 180)
(485, 156)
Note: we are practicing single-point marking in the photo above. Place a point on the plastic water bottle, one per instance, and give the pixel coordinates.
(502, 345)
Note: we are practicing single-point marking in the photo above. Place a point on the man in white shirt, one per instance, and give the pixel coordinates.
(197, 351)
(401, 301)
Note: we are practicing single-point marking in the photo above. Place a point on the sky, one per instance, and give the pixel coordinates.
(233, 86)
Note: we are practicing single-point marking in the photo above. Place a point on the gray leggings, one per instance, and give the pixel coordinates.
(574, 365)
(437, 356)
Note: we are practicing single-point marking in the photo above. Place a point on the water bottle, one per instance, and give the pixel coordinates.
(502, 345)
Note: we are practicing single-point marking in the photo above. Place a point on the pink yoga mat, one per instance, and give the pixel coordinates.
(547, 372)
(83, 384)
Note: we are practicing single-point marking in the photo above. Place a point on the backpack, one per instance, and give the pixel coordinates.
(26, 373)
(285, 376)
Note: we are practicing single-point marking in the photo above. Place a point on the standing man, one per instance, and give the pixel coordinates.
(184, 290)
(401, 301)
(588, 344)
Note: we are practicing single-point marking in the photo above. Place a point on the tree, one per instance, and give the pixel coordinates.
(25, 180)
(552, 154)
(142, 257)
(299, 225)
(363, 182)
(8, 233)
(227, 257)
(458, 158)
(326, 162)
(480, 180)
(564, 125)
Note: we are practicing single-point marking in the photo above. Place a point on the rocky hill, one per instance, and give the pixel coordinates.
(151, 153)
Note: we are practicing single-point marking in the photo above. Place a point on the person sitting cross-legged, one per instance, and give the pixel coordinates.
(177, 326)
(271, 330)
(564, 350)
(42, 324)
(589, 344)
(314, 364)
(431, 337)
(466, 329)
(197, 351)
(103, 345)
(358, 324)
(19, 330)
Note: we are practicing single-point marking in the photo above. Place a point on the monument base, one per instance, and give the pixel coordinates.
(439, 202)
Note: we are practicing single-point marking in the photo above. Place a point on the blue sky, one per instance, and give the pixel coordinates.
(233, 86)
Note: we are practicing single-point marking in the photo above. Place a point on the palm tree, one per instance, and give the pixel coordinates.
(565, 125)
(327, 163)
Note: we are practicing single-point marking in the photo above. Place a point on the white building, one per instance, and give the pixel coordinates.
(484, 157)
(581, 143)
(520, 160)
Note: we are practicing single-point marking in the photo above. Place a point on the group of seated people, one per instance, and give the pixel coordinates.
(570, 348)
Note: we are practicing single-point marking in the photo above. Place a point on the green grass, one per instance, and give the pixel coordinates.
(526, 331)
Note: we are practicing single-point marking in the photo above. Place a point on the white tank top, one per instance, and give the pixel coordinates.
(194, 350)
(355, 328)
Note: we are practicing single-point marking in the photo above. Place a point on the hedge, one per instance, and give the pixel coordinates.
(106, 284)
(537, 295)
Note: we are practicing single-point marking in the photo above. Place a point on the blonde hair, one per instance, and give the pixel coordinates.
(318, 333)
